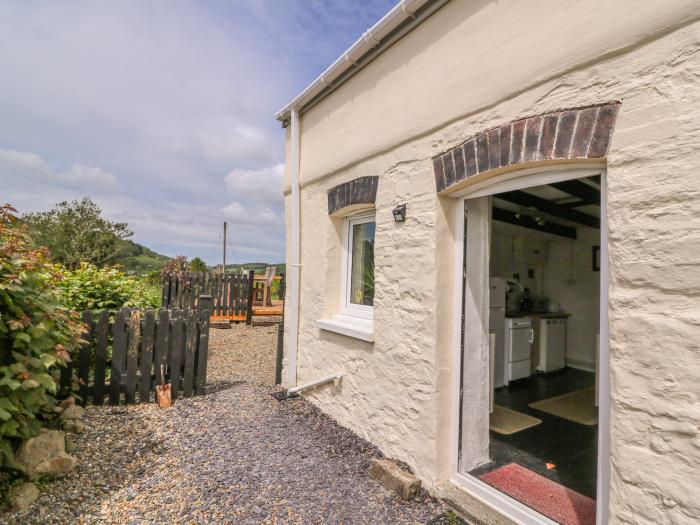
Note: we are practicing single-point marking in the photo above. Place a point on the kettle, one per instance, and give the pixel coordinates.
(526, 302)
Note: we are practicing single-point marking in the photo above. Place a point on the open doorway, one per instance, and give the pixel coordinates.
(532, 311)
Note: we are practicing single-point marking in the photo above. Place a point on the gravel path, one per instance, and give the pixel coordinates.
(233, 456)
(242, 353)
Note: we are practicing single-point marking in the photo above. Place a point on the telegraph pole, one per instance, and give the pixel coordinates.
(223, 268)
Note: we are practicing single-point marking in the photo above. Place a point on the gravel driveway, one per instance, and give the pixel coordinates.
(233, 456)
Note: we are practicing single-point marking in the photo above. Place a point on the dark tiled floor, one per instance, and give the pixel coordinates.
(572, 447)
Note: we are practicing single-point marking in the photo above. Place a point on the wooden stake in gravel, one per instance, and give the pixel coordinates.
(163, 391)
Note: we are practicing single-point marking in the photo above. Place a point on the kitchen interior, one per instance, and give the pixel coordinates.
(543, 327)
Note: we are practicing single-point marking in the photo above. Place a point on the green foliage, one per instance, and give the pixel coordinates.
(76, 232)
(88, 287)
(37, 335)
(197, 265)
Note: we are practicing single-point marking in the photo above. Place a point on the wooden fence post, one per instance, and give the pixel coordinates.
(146, 359)
(132, 355)
(280, 352)
(189, 351)
(203, 315)
(162, 343)
(249, 310)
(118, 355)
(84, 358)
(177, 343)
(165, 299)
(102, 332)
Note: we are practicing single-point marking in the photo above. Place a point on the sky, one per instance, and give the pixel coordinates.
(162, 111)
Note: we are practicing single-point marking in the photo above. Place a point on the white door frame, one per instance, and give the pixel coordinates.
(521, 179)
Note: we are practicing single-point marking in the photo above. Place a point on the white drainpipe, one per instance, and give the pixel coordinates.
(293, 336)
(318, 382)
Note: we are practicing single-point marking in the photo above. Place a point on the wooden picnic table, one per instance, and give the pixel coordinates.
(258, 285)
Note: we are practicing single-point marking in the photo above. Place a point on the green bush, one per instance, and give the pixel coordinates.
(37, 335)
(88, 287)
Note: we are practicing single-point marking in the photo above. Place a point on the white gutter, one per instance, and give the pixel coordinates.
(293, 336)
(318, 382)
(401, 12)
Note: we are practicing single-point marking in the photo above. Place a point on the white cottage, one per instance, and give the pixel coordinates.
(493, 223)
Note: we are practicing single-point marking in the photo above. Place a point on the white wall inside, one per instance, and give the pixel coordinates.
(570, 280)
(563, 273)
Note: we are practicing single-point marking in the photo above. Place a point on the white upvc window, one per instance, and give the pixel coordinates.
(357, 293)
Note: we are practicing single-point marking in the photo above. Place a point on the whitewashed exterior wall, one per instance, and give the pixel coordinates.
(469, 68)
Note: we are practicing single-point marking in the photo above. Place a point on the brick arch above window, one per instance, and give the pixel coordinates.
(569, 134)
(362, 190)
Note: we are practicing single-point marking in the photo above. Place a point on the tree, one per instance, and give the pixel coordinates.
(76, 232)
(198, 265)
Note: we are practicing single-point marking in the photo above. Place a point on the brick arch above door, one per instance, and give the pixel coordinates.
(562, 135)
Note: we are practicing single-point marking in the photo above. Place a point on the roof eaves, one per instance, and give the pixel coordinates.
(403, 18)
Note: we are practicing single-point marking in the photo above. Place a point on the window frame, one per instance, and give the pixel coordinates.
(346, 306)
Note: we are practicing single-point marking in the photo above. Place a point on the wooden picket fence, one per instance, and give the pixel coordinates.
(232, 294)
(125, 351)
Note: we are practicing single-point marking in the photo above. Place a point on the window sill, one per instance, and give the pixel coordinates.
(349, 326)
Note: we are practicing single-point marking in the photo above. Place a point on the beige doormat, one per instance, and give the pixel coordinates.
(506, 421)
(578, 406)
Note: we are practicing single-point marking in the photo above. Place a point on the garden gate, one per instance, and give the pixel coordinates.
(125, 352)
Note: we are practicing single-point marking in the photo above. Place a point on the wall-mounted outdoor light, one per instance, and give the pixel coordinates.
(400, 213)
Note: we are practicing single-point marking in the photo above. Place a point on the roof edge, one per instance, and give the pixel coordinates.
(401, 19)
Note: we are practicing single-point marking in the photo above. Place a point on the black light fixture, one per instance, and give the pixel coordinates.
(400, 213)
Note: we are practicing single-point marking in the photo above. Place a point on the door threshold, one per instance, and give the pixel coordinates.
(510, 508)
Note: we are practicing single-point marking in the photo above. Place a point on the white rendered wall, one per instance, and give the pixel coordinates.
(468, 69)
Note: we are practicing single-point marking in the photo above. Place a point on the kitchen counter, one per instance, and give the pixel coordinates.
(540, 315)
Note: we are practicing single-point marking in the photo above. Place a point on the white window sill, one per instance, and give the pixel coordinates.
(350, 326)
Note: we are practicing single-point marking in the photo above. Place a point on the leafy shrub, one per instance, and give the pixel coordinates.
(88, 287)
(175, 265)
(37, 335)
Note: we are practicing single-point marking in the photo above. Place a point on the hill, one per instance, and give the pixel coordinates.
(136, 258)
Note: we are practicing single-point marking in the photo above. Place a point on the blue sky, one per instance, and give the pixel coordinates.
(162, 111)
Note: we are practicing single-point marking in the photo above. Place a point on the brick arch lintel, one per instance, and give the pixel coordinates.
(577, 134)
(357, 192)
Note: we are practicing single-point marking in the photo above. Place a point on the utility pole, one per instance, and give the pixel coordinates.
(223, 268)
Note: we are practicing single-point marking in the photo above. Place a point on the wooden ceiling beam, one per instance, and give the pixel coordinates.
(580, 190)
(499, 214)
(528, 200)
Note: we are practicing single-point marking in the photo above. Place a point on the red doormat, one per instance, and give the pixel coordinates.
(555, 501)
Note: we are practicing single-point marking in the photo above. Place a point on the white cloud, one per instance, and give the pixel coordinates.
(89, 176)
(21, 167)
(147, 107)
(240, 214)
(264, 184)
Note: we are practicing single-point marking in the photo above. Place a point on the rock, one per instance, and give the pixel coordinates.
(76, 426)
(45, 455)
(393, 478)
(22, 496)
(73, 412)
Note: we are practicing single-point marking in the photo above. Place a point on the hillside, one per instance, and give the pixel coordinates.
(137, 258)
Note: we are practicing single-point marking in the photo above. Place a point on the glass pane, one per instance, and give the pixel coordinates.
(362, 273)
